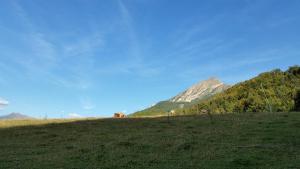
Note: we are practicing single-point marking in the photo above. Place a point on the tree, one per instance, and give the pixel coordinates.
(295, 70)
(297, 101)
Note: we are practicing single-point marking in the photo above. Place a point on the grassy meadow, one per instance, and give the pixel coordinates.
(253, 140)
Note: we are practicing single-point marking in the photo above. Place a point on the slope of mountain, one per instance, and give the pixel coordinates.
(200, 91)
(274, 91)
(15, 116)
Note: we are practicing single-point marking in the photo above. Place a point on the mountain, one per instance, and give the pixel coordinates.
(15, 116)
(274, 91)
(200, 91)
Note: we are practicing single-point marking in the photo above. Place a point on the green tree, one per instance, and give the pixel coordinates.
(297, 101)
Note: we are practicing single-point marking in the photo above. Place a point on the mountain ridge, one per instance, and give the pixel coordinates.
(197, 92)
(15, 116)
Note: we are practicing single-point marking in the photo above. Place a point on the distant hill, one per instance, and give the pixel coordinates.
(200, 91)
(274, 91)
(15, 116)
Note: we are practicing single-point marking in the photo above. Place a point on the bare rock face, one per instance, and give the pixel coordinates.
(201, 90)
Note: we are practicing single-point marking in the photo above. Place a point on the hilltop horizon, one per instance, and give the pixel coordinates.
(94, 58)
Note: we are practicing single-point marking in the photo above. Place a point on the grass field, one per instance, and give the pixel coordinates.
(262, 140)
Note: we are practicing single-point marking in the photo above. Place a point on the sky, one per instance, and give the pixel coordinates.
(86, 58)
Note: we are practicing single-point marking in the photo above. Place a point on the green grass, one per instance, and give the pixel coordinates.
(261, 140)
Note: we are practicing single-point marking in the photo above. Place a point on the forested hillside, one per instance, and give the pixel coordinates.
(274, 91)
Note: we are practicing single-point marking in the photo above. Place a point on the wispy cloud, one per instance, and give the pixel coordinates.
(44, 57)
(135, 62)
(193, 41)
(84, 46)
(75, 63)
(128, 22)
(185, 34)
(44, 52)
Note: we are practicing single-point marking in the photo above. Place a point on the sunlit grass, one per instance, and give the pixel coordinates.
(34, 122)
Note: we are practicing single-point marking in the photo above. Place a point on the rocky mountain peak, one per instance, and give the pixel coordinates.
(201, 90)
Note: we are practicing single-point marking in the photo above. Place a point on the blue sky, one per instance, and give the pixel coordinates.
(93, 58)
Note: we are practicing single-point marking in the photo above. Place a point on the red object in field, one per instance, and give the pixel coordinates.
(119, 115)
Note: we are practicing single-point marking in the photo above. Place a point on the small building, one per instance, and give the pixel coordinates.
(119, 115)
(172, 112)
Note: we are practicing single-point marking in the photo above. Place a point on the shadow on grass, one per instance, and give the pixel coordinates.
(232, 141)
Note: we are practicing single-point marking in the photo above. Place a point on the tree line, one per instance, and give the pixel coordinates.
(274, 91)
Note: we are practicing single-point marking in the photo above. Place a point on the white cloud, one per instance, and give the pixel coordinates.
(74, 115)
(3, 103)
